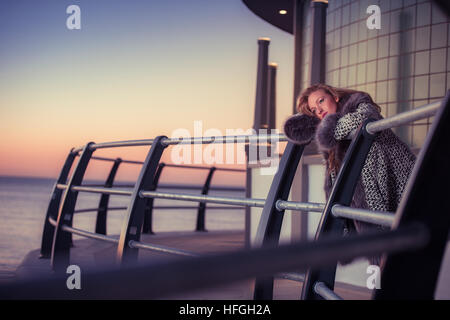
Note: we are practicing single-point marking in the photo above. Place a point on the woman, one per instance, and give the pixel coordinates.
(330, 115)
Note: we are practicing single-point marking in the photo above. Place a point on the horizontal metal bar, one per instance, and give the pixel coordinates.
(225, 139)
(303, 206)
(404, 117)
(96, 209)
(300, 277)
(125, 143)
(102, 190)
(377, 217)
(61, 186)
(191, 186)
(188, 140)
(196, 207)
(149, 280)
(88, 234)
(204, 198)
(114, 159)
(160, 248)
(321, 289)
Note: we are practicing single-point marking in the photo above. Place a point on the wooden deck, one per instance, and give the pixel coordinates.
(92, 253)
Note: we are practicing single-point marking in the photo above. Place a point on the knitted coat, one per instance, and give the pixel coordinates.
(388, 164)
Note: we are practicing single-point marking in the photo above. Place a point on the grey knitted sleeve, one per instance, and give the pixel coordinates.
(351, 121)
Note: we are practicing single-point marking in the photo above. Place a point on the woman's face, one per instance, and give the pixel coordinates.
(321, 103)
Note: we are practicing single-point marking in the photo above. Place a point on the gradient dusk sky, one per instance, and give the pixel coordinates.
(135, 70)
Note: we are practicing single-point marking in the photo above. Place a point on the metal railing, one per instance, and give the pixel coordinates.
(419, 206)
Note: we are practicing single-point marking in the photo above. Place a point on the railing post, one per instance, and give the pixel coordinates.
(132, 226)
(62, 240)
(414, 274)
(100, 225)
(201, 207)
(53, 206)
(269, 228)
(148, 214)
(342, 193)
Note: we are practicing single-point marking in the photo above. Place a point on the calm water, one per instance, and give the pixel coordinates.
(24, 202)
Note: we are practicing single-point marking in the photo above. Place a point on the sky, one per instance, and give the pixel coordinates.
(135, 70)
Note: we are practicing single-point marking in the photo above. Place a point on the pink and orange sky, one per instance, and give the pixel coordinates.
(136, 69)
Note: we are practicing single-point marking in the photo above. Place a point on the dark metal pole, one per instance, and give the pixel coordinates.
(271, 97)
(269, 227)
(100, 225)
(148, 214)
(62, 240)
(414, 275)
(342, 193)
(260, 120)
(132, 226)
(53, 207)
(202, 205)
(318, 32)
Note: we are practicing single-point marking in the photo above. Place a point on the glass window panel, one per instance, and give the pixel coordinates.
(343, 74)
(392, 90)
(419, 133)
(345, 37)
(394, 44)
(422, 38)
(423, 14)
(363, 7)
(438, 60)
(408, 2)
(352, 75)
(354, 10)
(370, 89)
(384, 6)
(437, 85)
(383, 46)
(330, 21)
(338, 18)
(437, 15)
(362, 51)
(362, 33)
(354, 32)
(361, 73)
(382, 72)
(353, 54)
(395, 21)
(396, 4)
(421, 87)
(422, 63)
(337, 59)
(372, 49)
(381, 92)
(345, 15)
(439, 35)
(371, 71)
(344, 57)
(337, 39)
(393, 67)
(408, 40)
(407, 18)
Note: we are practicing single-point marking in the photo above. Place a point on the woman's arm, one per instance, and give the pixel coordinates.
(335, 127)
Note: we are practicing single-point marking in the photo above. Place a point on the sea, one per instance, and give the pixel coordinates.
(24, 202)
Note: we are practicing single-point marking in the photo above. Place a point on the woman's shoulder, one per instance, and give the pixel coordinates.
(351, 103)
